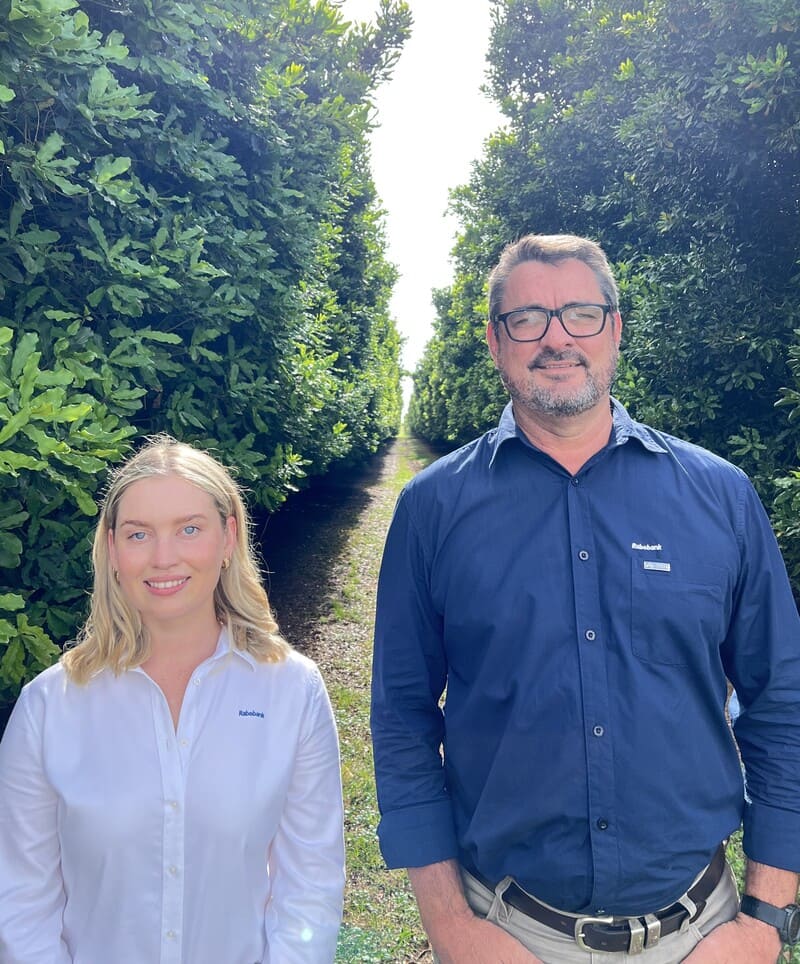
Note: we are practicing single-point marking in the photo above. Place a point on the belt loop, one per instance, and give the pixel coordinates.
(500, 910)
(687, 902)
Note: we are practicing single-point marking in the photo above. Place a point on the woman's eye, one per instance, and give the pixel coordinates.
(136, 536)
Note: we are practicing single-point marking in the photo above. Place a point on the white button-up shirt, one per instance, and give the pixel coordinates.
(124, 841)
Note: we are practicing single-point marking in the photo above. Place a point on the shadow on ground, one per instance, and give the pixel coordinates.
(301, 543)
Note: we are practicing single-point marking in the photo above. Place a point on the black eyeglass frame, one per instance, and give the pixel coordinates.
(555, 313)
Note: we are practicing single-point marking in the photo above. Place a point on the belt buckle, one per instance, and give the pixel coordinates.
(581, 922)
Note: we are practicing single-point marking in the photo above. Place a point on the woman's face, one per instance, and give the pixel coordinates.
(168, 547)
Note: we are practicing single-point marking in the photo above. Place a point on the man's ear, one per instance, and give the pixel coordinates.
(492, 341)
(616, 322)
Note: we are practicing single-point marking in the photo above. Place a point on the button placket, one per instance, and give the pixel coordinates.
(592, 656)
(172, 782)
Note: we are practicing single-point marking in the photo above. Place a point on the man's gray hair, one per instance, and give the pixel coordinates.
(550, 249)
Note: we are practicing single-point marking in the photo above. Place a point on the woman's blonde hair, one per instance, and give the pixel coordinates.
(114, 637)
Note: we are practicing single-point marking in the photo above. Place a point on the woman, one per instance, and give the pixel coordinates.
(170, 790)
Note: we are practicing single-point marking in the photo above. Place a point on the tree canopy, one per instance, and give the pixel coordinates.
(190, 242)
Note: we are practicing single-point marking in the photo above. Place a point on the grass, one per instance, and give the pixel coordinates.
(381, 923)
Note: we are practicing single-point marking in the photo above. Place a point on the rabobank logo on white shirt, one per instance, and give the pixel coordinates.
(251, 713)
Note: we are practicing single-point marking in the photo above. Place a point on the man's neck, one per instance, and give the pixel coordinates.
(569, 439)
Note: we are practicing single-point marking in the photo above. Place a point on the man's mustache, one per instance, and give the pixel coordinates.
(547, 355)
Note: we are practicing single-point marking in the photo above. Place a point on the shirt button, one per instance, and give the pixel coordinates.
(602, 824)
(172, 871)
(598, 731)
(173, 804)
(591, 635)
(601, 912)
(583, 555)
(184, 742)
(171, 935)
(196, 682)
(574, 481)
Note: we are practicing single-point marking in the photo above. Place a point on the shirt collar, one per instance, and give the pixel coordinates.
(225, 646)
(623, 429)
(626, 428)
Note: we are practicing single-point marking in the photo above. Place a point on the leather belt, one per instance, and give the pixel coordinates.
(629, 934)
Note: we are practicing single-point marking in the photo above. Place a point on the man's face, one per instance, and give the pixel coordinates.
(559, 375)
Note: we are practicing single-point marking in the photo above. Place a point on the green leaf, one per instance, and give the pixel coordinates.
(99, 84)
(36, 237)
(13, 425)
(13, 461)
(85, 502)
(46, 444)
(107, 168)
(12, 521)
(26, 346)
(12, 663)
(10, 550)
(11, 601)
(50, 148)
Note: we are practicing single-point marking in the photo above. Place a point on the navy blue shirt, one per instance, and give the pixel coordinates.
(584, 627)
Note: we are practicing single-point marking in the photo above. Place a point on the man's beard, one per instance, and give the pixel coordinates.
(541, 400)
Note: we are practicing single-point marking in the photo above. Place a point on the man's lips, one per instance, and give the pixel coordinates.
(548, 363)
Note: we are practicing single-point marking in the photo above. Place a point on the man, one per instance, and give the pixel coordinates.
(582, 585)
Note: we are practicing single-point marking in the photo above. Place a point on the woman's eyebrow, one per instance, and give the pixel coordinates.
(183, 519)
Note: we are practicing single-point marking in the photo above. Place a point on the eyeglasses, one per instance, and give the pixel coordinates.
(531, 324)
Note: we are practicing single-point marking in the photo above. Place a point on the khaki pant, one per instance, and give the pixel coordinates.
(551, 947)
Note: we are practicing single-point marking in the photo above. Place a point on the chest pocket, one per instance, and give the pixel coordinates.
(678, 616)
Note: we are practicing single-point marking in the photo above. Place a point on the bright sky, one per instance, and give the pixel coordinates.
(433, 121)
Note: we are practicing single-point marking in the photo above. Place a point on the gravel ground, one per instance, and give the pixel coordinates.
(310, 548)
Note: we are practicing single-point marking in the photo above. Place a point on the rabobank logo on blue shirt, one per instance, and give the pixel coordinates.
(251, 713)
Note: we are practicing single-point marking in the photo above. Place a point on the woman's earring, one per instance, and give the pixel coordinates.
(116, 575)
(225, 563)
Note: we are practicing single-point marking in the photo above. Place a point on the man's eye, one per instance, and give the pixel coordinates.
(190, 530)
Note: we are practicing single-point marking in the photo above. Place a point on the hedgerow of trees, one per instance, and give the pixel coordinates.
(190, 242)
(668, 130)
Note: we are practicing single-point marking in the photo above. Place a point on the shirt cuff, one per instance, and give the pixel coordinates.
(418, 836)
(772, 836)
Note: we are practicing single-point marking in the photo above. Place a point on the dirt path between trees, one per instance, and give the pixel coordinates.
(311, 548)
(322, 551)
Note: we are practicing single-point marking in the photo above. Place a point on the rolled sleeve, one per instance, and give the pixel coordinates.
(409, 676)
(763, 663)
(418, 836)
